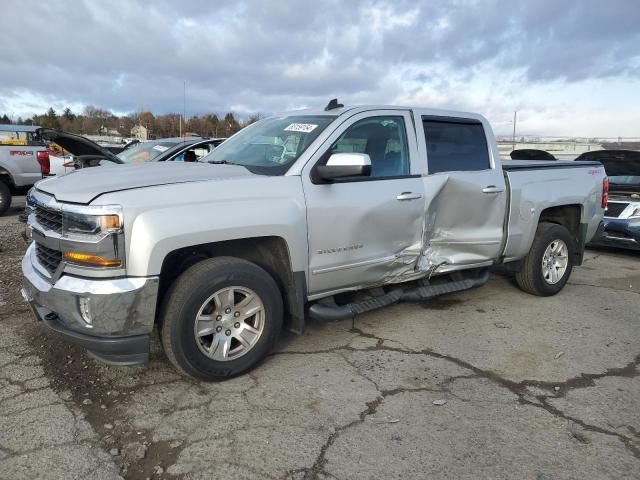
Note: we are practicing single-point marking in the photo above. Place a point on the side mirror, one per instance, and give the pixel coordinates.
(342, 165)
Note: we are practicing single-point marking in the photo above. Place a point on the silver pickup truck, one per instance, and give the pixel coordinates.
(285, 221)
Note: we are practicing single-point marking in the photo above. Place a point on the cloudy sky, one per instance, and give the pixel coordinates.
(568, 67)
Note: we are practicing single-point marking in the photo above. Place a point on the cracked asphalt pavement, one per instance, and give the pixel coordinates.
(490, 383)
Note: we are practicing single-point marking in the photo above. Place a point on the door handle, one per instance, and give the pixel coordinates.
(404, 196)
(492, 189)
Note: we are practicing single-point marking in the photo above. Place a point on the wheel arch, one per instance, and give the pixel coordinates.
(5, 176)
(270, 253)
(569, 216)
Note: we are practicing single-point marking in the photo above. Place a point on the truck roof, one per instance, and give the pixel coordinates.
(363, 108)
(18, 128)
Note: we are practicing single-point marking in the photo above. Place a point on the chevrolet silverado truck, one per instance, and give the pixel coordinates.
(285, 221)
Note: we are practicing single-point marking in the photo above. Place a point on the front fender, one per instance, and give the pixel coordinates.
(210, 212)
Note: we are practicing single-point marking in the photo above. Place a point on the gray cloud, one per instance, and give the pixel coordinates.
(269, 56)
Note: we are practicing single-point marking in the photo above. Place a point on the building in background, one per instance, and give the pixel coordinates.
(140, 132)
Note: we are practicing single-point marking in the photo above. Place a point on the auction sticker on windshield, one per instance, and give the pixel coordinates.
(301, 127)
(161, 148)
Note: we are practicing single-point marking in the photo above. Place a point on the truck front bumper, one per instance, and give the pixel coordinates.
(111, 318)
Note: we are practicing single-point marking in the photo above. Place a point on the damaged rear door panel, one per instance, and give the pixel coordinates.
(466, 193)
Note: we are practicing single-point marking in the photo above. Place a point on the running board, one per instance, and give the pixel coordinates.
(420, 294)
(333, 312)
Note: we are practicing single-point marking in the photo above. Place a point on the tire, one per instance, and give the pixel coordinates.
(199, 355)
(531, 278)
(5, 197)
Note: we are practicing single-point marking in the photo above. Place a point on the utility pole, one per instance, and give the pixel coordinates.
(184, 105)
(514, 131)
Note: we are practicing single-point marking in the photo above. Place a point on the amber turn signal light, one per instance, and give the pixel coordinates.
(91, 260)
(110, 222)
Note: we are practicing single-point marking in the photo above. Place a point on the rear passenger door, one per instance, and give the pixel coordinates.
(466, 191)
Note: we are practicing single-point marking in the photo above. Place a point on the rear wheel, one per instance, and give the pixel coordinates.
(220, 318)
(548, 265)
(5, 197)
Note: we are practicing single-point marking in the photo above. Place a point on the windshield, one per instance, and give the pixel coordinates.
(272, 145)
(145, 152)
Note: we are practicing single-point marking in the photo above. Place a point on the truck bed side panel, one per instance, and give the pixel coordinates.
(536, 186)
(19, 161)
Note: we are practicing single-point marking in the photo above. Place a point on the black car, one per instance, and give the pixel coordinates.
(622, 215)
(531, 154)
(89, 154)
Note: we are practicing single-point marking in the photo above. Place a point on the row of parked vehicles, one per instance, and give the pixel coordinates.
(26, 155)
(285, 220)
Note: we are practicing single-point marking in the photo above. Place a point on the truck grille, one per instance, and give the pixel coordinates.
(48, 258)
(49, 218)
(614, 209)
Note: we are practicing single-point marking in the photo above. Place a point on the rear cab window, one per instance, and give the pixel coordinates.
(455, 144)
(17, 137)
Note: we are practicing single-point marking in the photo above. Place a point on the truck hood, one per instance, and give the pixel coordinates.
(76, 145)
(618, 163)
(83, 186)
(615, 162)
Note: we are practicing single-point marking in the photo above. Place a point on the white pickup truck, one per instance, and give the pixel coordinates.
(24, 159)
(282, 219)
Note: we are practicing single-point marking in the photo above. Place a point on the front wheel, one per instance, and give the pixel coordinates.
(547, 267)
(220, 318)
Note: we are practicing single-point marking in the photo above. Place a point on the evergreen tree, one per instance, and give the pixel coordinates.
(50, 119)
(68, 114)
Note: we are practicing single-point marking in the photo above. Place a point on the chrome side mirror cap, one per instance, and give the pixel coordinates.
(346, 164)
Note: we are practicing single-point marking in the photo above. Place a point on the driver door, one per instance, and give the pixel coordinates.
(363, 230)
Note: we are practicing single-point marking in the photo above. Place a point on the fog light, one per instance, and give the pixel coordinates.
(85, 311)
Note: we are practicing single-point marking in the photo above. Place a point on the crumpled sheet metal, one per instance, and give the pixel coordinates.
(460, 227)
(420, 260)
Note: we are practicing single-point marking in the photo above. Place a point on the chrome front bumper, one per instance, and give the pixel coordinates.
(112, 318)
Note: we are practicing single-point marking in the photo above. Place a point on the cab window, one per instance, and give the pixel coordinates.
(18, 138)
(455, 145)
(384, 139)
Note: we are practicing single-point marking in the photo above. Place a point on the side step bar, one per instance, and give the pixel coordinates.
(332, 312)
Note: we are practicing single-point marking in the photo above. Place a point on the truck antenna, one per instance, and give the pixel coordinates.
(333, 104)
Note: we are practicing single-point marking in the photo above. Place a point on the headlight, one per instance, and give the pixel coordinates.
(95, 235)
(91, 223)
